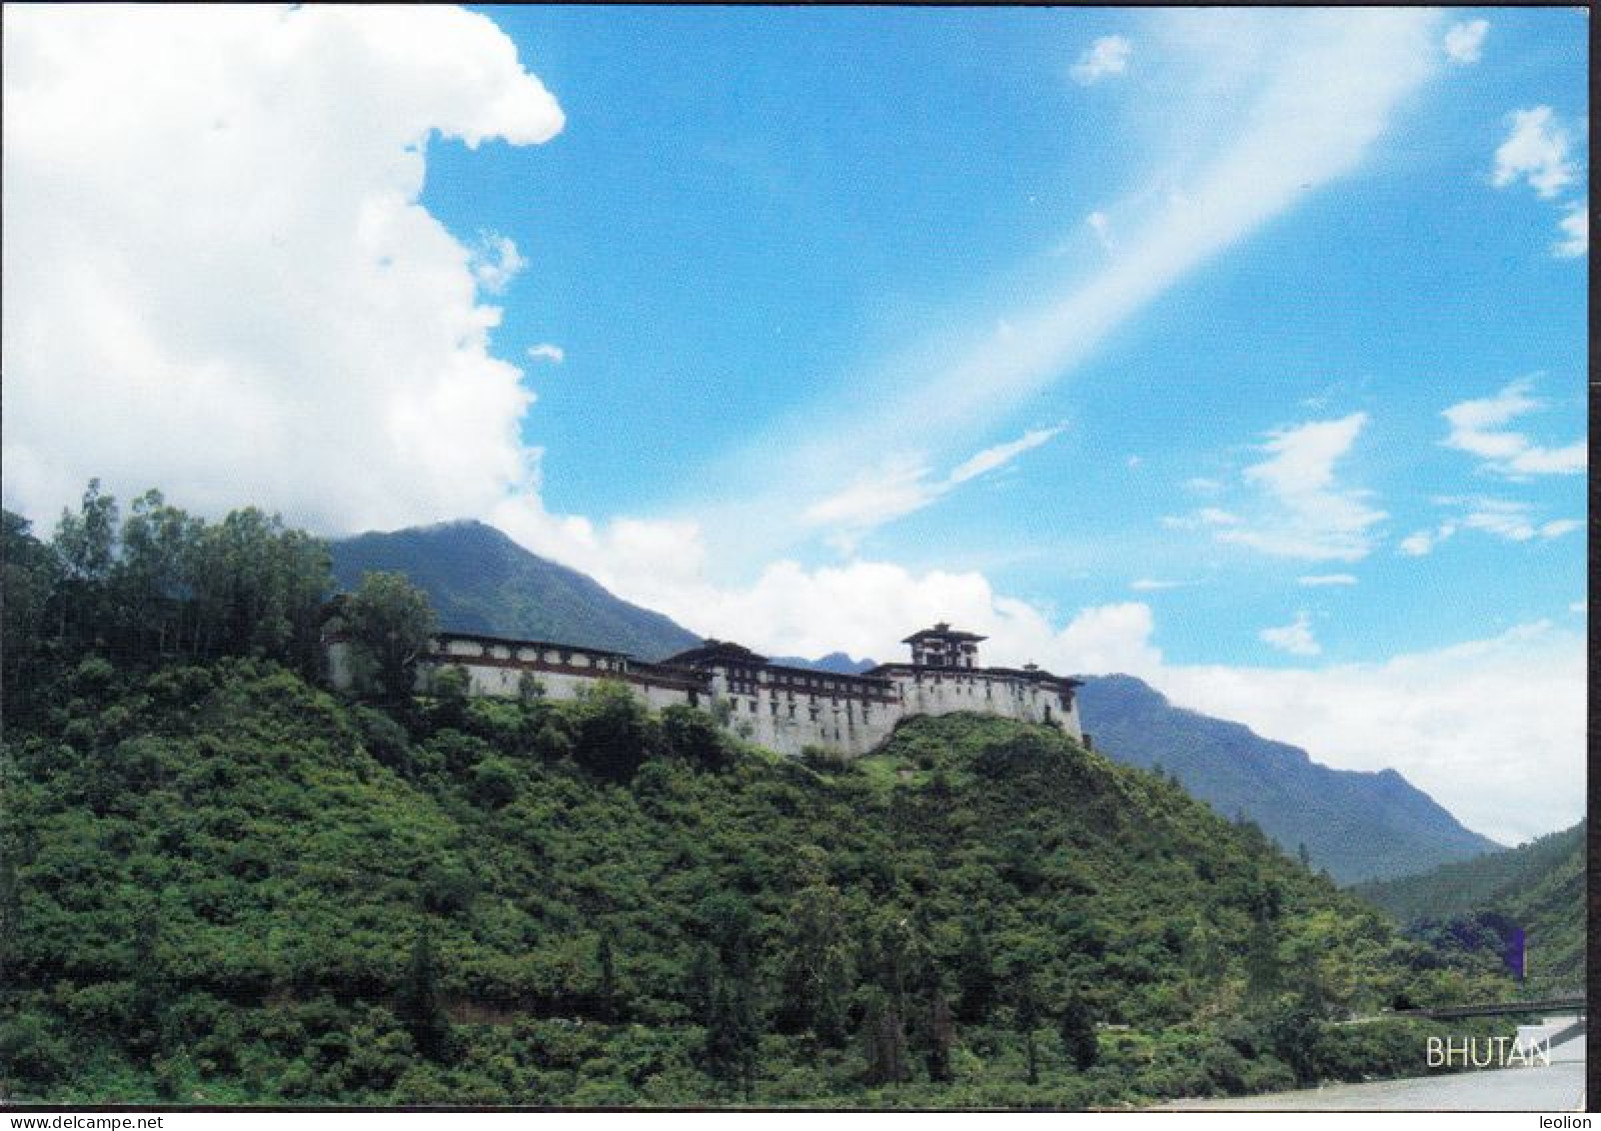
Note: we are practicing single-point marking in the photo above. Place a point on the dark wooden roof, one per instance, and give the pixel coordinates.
(942, 631)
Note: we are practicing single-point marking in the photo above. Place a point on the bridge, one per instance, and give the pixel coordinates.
(1567, 1004)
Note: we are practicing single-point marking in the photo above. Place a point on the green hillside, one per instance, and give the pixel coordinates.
(223, 885)
(481, 581)
(1538, 887)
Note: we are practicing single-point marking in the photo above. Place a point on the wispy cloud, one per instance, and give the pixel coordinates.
(1302, 511)
(899, 488)
(1507, 519)
(1477, 427)
(1295, 638)
(1101, 224)
(1152, 585)
(1464, 42)
(545, 351)
(1105, 57)
(1316, 90)
(496, 262)
(1318, 579)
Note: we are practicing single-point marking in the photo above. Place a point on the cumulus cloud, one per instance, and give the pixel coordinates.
(1295, 638)
(1493, 729)
(544, 351)
(1575, 226)
(219, 279)
(1537, 151)
(1105, 57)
(1300, 510)
(1464, 42)
(1317, 579)
(1477, 427)
(1422, 713)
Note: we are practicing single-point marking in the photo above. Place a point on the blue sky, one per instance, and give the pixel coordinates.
(1241, 350)
(751, 210)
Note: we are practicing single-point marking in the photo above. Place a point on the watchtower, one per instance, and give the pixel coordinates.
(944, 647)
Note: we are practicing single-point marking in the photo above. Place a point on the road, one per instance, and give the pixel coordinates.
(1559, 1087)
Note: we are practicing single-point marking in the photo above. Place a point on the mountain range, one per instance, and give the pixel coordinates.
(1360, 826)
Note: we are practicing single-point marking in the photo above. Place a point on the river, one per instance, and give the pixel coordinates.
(1559, 1087)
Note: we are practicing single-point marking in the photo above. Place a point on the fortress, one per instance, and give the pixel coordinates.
(783, 708)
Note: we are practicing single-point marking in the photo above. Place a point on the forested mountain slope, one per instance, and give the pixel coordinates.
(1358, 825)
(222, 884)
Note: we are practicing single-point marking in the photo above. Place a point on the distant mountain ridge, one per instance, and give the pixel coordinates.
(481, 581)
(1358, 825)
(837, 662)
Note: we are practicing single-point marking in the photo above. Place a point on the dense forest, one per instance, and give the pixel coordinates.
(1537, 888)
(220, 883)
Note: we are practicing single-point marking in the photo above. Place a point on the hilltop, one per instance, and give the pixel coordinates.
(1358, 825)
(224, 885)
(481, 581)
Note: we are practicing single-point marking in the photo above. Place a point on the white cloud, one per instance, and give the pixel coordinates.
(1295, 638)
(1464, 42)
(1424, 714)
(1302, 511)
(1318, 579)
(899, 487)
(1151, 585)
(1507, 519)
(219, 279)
(1579, 607)
(1476, 428)
(1422, 542)
(544, 351)
(1575, 233)
(1492, 729)
(496, 262)
(1514, 521)
(1538, 152)
(1106, 56)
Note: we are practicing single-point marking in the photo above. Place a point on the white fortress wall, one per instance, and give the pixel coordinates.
(781, 708)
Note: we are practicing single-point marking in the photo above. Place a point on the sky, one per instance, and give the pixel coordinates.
(1243, 351)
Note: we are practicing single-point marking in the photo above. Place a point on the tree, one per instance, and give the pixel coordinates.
(85, 546)
(975, 976)
(884, 1038)
(817, 969)
(1077, 1028)
(418, 1005)
(1027, 1019)
(615, 733)
(941, 1036)
(391, 625)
